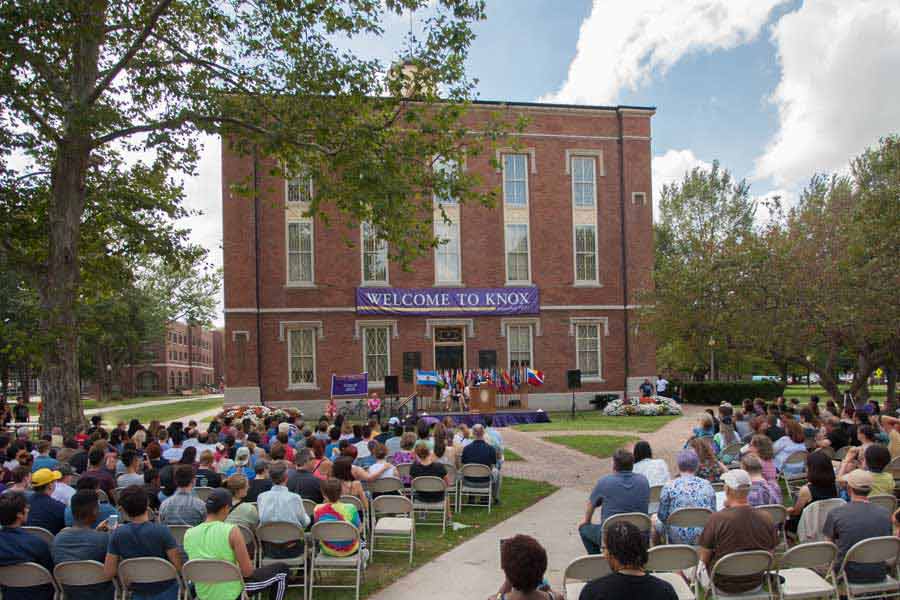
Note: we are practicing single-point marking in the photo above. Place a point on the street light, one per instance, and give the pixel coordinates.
(808, 373)
(712, 358)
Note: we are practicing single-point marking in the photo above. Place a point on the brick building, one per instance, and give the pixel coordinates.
(185, 359)
(549, 274)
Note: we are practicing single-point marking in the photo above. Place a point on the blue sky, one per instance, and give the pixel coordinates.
(776, 90)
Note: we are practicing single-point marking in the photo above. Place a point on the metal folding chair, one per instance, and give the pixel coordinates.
(666, 562)
(883, 549)
(799, 572)
(335, 531)
(430, 485)
(393, 518)
(582, 570)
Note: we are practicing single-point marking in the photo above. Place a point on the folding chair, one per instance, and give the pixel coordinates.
(582, 570)
(39, 532)
(82, 572)
(799, 572)
(393, 526)
(363, 515)
(251, 542)
(203, 492)
(778, 514)
(883, 549)
(147, 569)
(386, 485)
(741, 564)
(453, 486)
(469, 489)
(178, 532)
(718, 486)
(655, 493)
(29, 574)
(639, 520)
(403, 473)
(213, 571)
(888, 501)
(310, 507)
(334, 531)
(280, 533)
(840, 453)
(430, 485)
(827, 451)
(665, 562)
(687, 517)
(794, 482)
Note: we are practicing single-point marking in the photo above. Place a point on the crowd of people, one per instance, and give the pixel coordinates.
(113, 494)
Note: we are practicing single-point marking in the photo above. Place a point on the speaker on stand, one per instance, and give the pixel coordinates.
(573, 378)
(392, 391)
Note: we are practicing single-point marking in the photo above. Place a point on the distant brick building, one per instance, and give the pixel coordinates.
(185, 359)
(571, 240)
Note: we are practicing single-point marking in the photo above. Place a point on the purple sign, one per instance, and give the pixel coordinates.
(447, 301)
(349, 385)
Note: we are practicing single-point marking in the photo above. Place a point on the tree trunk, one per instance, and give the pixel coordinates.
(859, 387)
(890, 402)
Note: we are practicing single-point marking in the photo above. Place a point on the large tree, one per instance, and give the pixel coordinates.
(104, 101)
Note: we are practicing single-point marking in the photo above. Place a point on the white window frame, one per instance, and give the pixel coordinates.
(639, 198)
(382, 250)
(506, 253)
(445, 166)
(530, 329)
(523, 179)
(311, 330)
(598, 327)
(575, 253)
(593, 162)
(312, 253)
(299, 181)
(441, 251)
(366, 330)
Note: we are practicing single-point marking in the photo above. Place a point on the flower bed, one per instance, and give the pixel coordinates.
(633, 407)
(258, 413)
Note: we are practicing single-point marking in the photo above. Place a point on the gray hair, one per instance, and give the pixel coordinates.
(303, 456)
(478, 430)
(688, 461)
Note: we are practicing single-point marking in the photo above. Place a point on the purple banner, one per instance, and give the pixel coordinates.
(447, 301)
(350, 385)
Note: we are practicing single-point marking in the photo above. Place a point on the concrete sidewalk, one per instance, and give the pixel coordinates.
(119, 407)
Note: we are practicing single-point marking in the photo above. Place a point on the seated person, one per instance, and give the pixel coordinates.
(736, 528)
(242, 512)
(524, 562)
(820, 485)
(877, 458)
(626, 550)
(482, 453)
(620, 492)
(762, 491)
(105, 510)
(43, 510)
(260, 482)
(654, 469)
(427, 465)
(303, 481)
(17, 546)
(83, 542)
(279, 504)
(139, 538)
(794, 440)
(856, 521)
(686, 491)
(182, 507)
(214, 539)
(131, 476)
(335, 510)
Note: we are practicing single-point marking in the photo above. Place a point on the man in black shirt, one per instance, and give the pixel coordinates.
(626, 550)
(302, 481)
(835, 436)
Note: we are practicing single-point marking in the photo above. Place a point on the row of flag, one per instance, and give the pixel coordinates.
(507, 381)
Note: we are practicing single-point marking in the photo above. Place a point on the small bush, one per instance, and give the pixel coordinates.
(716, 392)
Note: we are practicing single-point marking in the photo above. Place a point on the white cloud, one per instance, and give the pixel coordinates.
(621, 44)
(670, 168)
(840, 63)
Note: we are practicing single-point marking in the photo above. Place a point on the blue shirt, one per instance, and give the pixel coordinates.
(106, 511)
(16, 547)
(46, 512)
(621, 493)
(481, 453)
(45, 462)
(687, 491)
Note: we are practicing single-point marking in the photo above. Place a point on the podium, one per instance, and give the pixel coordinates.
(484, 399)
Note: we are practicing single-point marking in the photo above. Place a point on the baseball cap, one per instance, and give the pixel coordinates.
(857, 479)
(218, 499)
(42, 477)
(393, 421)
(242, 456)
(736, 479)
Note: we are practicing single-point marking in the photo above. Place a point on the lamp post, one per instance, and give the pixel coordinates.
(712, 358)
(808, 370)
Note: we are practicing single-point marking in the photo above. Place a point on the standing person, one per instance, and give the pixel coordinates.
(215, 539)
(279, 504)
(662, 384)
(620, 492)
(83, 542)
(183, 507)
(20, 410)
(646, 389)
(17, 546)
(626, 550)
(44, 511)
(524, 562)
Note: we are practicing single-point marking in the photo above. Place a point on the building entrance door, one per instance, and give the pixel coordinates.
(449, 348)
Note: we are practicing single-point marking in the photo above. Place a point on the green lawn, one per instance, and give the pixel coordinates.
(595, 421)
(90, 403)
(162, 412)
(510, 455)
(601, 446)
(802, 393)
(517, 495)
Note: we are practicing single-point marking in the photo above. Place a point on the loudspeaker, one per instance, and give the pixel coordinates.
(391, 385)
(573, 376)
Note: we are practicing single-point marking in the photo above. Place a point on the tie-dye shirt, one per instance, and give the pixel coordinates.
(338, 511)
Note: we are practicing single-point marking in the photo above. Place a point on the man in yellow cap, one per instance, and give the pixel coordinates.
(44, 510)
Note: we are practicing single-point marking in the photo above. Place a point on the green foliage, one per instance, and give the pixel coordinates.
(716, 392)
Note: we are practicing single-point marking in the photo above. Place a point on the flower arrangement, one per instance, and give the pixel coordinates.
(659, 406)
(258, 413)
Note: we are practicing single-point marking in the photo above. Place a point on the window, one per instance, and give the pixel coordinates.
(639, 198)
(300, 252)
(585, 253)
(446, 255)
(584, 181)
(302, 356)
(299, 189)
(376, 348)
(515, 179)
(171, 380)
(587, 348)
(179, 379)
(519, 345)
(448, 169)
(375, 256)
(517, 253)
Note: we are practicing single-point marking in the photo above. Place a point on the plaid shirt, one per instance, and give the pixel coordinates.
(182, 508)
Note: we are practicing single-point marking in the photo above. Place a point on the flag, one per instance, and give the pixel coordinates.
(507, 380)
(534, 377)
(517, 380)
(460, 380)
(429, 378)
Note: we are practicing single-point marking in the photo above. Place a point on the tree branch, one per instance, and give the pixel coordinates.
(136, 45)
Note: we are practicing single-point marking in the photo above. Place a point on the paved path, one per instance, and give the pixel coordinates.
(198, 417)
(118, 407)
(472, 569)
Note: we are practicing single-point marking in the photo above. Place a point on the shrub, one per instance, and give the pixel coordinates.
(716, 392)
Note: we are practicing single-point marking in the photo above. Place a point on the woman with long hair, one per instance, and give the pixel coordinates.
(342, 470)
(322, 468)
(761, 447)
(654, 469)
(709, 468)
(242, 513)
(793, 440)
(820, 485)
(444, 451)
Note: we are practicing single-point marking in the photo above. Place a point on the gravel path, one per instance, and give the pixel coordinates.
(120, 407)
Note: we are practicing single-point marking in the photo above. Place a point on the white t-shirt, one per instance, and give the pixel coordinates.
(391, 471)
(63, 492)
(661, 385)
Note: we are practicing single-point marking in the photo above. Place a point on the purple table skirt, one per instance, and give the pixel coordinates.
(501, 419)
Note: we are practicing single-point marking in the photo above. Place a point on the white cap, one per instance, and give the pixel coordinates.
(736, 479)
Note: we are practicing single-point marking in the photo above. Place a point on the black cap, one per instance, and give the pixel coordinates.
(218, 499)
